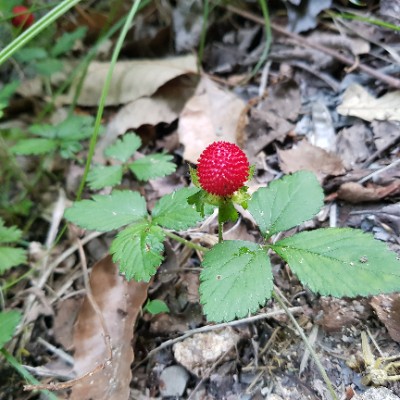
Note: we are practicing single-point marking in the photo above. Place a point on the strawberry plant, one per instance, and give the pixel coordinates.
(237, 276)
(145, 168)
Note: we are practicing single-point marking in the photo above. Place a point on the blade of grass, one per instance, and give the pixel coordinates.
(24, 373)
(93, 139)
(36, 28)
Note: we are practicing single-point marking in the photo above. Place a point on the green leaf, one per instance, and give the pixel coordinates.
(227, 212)
(8, 323)
(43, 130)
(34, 146)
(8, 90)
(341, 262)
(286, 202)
(156, 307)
(138, 250)
(174, 212)
(153, 166)
(68, 148)
(11, 257)
(75, 127)
(124, 148)
(236, 280)
(108, 212)
(48, 67)
(29, 54)
(67, 41)
(101, 176)
(9, 234)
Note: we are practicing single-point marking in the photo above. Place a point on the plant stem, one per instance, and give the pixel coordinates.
(24, 373)
(200, 53)
(220, 230)
(187, 243)
(314, 355)
(107, 83)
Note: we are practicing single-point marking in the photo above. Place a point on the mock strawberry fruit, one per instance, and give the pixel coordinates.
(222, 168)
(23, 18)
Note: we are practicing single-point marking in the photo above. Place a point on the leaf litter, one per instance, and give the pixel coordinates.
(304, 112)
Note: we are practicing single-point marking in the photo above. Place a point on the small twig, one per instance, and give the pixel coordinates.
(379, 171)
(377, 153)
(58, 352)
(389, 80)
(209, 328)
(187, 243)
(307, 343)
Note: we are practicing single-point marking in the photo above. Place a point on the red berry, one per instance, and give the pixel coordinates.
(23, 18)
(222, 168)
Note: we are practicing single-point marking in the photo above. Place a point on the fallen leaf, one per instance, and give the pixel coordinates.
(385, 133)
(355, 193)
(357, 102)
(302, 16)
(387, 308)
(119, 302)
(131, 79)
(211, 114)
(310, 158)
(351, 144)
(164, 106)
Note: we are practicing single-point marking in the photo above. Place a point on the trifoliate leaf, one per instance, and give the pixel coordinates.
(124, 148)
(34, 146)
(9, 234)
(8, 322)
(286, 202)
(341, 262)
(138, 250)
(102, 176)
(236, 280)
(11, 257)
(156, 307)
(153, 166)
(105, 213)
(174, 212)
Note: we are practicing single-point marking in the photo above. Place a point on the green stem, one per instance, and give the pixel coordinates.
(24, 373)
(187, 243)
(36, 28)
(107, 83)
(314, 355)
(220, 230)
(206, 11)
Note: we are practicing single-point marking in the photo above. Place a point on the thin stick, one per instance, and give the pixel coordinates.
(187, 243)
(389, 80)
(307, 343)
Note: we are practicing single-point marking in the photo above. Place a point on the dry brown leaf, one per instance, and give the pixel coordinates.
(164, 106)
(211, 114)
(311, 158)
(387, 308)
(131, 79)
(385, 133)
(119, 302)
(357, 102)
(355, 193)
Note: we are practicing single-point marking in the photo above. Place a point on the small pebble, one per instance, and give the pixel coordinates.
(173, 381)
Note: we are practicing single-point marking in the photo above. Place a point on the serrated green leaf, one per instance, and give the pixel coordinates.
(236, 280)
(68, 148)
(107, 212)
(124, 148)
(174, 212)
(11, 257)
(8, 323)
(67, 40)
(286, 202)
(153, 166)
(7, 91)
(9, 234)
(75, 127)
(227, 212)
(34, 146)
(156, 306)
(138, 250)
(102, 176)
(43, 130)
(341, 262)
